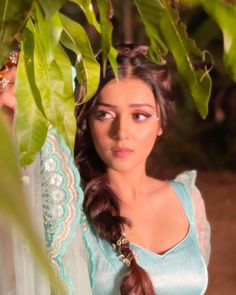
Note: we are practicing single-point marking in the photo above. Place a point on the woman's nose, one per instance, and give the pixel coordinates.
(120, 128)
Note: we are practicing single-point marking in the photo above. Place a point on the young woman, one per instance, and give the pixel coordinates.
(144, 236)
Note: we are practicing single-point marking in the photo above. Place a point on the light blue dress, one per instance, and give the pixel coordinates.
(179, 271)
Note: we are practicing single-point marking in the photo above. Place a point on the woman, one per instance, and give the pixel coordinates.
(144, 236)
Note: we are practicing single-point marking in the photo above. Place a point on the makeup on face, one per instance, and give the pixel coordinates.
(139, 112)
(124, 123)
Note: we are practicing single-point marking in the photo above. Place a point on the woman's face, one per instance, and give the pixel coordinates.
(124, 124)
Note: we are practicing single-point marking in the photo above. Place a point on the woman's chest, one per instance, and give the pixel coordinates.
(157, 228)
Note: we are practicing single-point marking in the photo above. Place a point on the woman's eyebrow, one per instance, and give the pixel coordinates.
(132, 105)
(137, 105)
(106, 105)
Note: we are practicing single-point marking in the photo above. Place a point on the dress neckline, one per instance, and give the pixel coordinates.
(165, 253)
(178, 244)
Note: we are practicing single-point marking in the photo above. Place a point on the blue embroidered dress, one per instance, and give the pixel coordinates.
(179, 271)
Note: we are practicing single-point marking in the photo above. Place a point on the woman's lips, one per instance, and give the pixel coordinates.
(121, 151)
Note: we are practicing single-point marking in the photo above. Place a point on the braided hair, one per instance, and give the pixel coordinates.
(101, 204)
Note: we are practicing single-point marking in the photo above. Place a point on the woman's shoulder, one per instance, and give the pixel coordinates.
(156, 185)
(187, 178)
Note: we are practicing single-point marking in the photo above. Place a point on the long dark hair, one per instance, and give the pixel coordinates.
(101, 204)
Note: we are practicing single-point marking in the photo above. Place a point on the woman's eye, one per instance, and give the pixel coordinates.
(104, 115)
(140, 116)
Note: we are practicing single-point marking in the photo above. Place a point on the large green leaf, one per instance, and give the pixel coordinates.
(51, 6)
(151, 13)
(166, 31)
(87, 7)
(13, 16)
(47, 33)
(224, 14)
(75, 38)
(105, 28)
(31, 126)
(106, 37)
(13, 204)
(53, 76)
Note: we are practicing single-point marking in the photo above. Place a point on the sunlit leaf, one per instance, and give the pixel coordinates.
(53, 76)
(224, 14)
(108, 51)
(51, 6)
(48, 33)
(76, 39)
(13, 16)
(165, 23)
(31, 126)
(87, 7)
(13, 205)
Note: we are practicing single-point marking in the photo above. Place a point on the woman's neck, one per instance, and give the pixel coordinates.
(129, 185)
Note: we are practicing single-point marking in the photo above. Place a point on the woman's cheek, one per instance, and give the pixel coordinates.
(147, 136)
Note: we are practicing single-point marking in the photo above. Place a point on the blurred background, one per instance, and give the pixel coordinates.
(209, 145)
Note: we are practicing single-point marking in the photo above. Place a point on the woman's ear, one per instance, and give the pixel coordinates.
(159, 131)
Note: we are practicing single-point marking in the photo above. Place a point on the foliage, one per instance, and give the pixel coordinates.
(48, 82)
(157, 16)
(75, 38)
(29, 109)
(224, 13)
(13, 16)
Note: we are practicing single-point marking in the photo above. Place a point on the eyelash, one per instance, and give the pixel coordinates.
(143, 114)
(100, 115)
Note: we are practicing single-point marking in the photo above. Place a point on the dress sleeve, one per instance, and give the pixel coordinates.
(54, 197)
(202, 224)
(62, 198)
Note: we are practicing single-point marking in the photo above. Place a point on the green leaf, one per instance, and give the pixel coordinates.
(13, 204)
(151, 12)
(50, 7)
(106, 37)
(53, 76)
(105, 29)
(164, 21)
(75, 38)
(48, 33)
(13, 16)
(87, 7)
(31, 126)
(225, 15)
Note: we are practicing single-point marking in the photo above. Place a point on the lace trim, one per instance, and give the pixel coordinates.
(62, 198)
(187, 177)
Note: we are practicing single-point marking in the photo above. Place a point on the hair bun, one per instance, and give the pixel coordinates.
(131, 50)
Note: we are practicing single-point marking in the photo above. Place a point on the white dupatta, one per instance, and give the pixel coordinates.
(54, 197)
